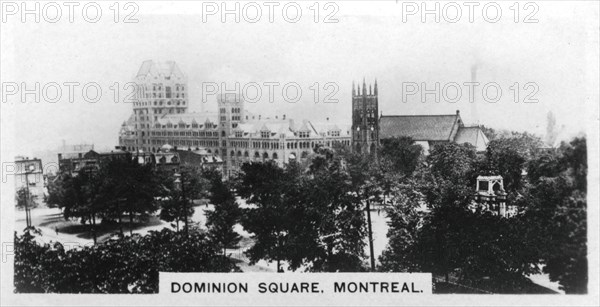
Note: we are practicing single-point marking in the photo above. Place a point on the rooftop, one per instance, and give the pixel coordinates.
(420, 127)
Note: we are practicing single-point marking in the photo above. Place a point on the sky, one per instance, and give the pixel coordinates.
(556, 57)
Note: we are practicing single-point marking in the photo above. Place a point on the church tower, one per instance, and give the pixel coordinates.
(365, 123)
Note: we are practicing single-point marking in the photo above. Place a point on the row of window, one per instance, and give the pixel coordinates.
(185, 133)
(236, 144)
(264, 145)
(157, 149)
(158, 87)
(257, 155)
(185, 126)
(176, 102)
(207, 143)
(169, 102)
(303, 134)
(188, 143)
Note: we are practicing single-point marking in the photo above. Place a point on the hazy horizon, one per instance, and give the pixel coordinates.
(557, 54)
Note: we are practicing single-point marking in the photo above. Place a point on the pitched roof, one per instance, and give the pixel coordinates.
(159, 68)
(188, 118)
(473, 136)
(420, 127)
(275, 126)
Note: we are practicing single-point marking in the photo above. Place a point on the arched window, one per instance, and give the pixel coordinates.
(265, 155)
(256, 155)
(304, 155)
(239, 153)
(246, 154)
(275, 157)
(223, 133)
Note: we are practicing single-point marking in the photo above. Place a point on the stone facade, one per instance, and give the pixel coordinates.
(365, 121)
(233, 133)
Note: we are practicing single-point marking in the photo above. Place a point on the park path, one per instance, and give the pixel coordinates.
(42, 219)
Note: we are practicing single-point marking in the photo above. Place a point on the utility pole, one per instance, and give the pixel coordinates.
(27, 213)
(370, 234)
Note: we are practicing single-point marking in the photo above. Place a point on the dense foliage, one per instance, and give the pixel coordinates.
(433, 227)
(25, 199)
(180, 190)
(118, 187)
(556, 212)
(226, 213)
(315, 216)
(126, 265)
(309, 218)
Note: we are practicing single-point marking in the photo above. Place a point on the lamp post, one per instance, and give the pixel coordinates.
(180, 186)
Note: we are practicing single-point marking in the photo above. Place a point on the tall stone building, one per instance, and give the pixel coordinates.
(161, 117)
(365, 122)
(161, 89)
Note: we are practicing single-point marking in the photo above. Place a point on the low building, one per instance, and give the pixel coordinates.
(200, 158)
(73, 163)
(428, 130)
(29, 173)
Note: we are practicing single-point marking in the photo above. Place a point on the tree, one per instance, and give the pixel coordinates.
(181, 189)
(450, 239)
(78, 196)
(226, 213)
(402, 152)
(125, 265)
(405, 221)
(556, 210)
(25, 199)
(451, 175)
(489, 132)
(56, 191)
(327, 224)
(128, 188)
(265, 186)
(114, 188)
(310, 217)
(507, 157)
(173, 209)
(365, 176)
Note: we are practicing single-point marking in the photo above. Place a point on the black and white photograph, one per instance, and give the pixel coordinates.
(340, 153)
